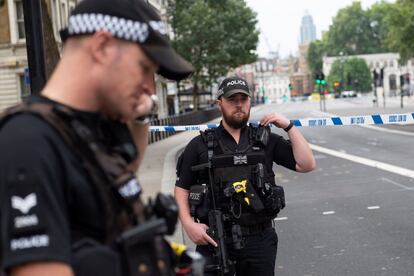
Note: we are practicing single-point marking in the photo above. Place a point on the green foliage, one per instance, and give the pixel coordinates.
(356, 31)
(214, 36)
(401, 28)
(314, 57)
(353, 73)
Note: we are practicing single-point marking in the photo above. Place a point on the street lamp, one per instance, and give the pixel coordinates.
(341, 59)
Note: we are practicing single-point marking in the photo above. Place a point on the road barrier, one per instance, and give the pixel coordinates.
(378, 119)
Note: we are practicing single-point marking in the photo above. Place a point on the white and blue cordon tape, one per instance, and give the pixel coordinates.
(383, 119)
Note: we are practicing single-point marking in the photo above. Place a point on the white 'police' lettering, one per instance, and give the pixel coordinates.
(29, 242)
(131, 188)
(195, 196)
(234, 82)
(26, 221)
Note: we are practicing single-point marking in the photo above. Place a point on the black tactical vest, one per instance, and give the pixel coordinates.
(118, 191)
(243, 186)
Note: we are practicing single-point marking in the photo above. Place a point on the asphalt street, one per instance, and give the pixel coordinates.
(348, 217)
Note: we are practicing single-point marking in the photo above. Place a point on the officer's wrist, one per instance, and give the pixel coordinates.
(288, 127)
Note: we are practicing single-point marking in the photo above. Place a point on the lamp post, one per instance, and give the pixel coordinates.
(341, 59)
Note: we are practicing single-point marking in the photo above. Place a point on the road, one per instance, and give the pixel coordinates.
(348, 217)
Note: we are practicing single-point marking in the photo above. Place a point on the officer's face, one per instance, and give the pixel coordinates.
(130, 82)
(235, 110)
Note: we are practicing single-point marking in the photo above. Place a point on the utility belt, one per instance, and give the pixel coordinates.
(256, 229)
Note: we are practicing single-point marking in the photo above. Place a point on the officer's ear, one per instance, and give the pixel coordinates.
(218, 102)
(102, 47)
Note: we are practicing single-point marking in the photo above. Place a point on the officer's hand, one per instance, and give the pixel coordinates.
(146, 105)
(197, 232)
(275, 118)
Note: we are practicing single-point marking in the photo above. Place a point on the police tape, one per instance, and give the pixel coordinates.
(378, 119)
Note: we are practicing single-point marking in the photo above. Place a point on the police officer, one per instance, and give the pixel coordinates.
(241, 192)
(68, 157)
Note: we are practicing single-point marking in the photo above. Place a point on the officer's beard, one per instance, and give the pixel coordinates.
(236, 122)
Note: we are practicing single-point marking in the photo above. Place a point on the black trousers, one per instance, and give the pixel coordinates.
(257, 257)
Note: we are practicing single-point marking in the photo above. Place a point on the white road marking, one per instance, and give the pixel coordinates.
(365, 161)
(328, 213)
(373, 207)
(281, 218)
(396, 183)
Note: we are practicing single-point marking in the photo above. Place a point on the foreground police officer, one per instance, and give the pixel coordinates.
(239, 159)
(68, 157)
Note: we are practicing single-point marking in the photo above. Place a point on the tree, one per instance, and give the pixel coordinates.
(378, 14)
(316, 51)
(353, 73)
(214, 36)
(401, 28)
(351, 32)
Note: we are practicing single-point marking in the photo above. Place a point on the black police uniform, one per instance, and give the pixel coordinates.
(258, 255)
(47, 199)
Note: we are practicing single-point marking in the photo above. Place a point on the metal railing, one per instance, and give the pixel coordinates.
(190, 118)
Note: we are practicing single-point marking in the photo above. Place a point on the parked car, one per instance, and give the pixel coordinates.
(348, 94)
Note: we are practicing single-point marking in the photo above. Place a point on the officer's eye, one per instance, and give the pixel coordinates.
(146, 68)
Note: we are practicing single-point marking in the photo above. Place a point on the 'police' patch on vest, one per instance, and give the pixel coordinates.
(240, 160)
(130, 189)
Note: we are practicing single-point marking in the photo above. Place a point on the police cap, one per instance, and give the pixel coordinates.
(131, 20)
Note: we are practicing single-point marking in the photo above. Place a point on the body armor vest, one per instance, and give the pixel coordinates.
(243, 188)
(119, 193)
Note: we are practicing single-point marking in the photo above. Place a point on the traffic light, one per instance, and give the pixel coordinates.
(320, 78)
(402, 80)
(290, 87)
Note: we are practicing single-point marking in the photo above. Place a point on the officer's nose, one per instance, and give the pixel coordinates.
(149, 86)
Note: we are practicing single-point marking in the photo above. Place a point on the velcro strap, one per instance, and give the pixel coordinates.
(222, 161)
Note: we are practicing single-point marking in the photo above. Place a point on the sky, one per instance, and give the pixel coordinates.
(279, 21)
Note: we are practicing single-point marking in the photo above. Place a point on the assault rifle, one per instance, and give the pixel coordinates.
(216, 227)
(215, 216)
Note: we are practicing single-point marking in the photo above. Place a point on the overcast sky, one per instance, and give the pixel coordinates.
(279, 21)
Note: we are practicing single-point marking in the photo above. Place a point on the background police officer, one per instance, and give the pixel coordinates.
(104, 80)
(257, 257)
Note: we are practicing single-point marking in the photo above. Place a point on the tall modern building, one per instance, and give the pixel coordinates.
(307, 29)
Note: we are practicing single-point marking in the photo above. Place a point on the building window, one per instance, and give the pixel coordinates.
(24, 89)
(20, 19)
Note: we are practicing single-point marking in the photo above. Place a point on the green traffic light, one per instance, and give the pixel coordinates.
(318, 81)
(323, 81)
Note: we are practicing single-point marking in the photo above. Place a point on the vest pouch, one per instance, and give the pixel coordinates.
(274, 200)
(92, 258)
(144, 252)
(198, 200)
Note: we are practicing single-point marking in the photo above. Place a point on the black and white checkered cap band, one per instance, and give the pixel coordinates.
(119, 27)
